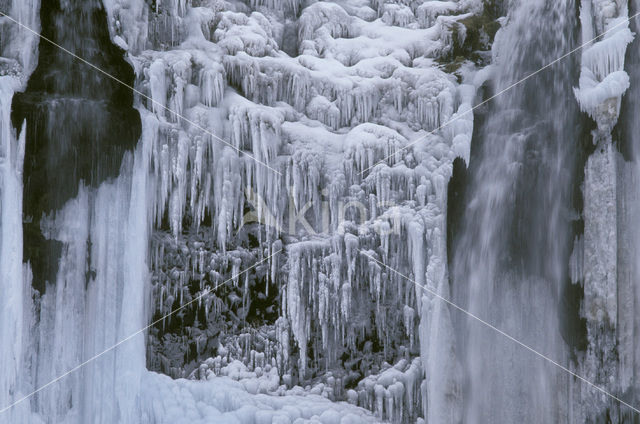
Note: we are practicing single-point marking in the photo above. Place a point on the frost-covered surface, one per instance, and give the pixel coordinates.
(603, 255)
(603, 80)
(18, 55)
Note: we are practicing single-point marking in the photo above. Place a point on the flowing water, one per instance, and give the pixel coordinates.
(510, 258)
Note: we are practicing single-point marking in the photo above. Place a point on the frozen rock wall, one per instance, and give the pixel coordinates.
(92, 290)
(609, 248)
(19, 52)
(275, 132)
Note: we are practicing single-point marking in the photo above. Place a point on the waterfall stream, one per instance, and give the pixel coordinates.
(511, 254)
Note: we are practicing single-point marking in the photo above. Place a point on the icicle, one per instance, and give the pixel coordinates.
(211, 82)
(158, 86)
(428, 11)
(397, 15)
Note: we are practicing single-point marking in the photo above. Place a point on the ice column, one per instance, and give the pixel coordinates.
(603, 81)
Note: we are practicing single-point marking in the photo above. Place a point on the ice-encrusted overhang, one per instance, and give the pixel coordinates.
(603, 80)
(79, 121)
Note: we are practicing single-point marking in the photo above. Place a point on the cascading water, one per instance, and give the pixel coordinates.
(511, 252)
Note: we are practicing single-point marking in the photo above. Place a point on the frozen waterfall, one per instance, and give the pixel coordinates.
(256, 211)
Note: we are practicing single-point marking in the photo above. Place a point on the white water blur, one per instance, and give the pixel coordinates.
(510, 260)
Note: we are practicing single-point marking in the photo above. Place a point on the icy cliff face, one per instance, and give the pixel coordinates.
(605, 258)
(14, 306)
(84, 278)
(290, 176)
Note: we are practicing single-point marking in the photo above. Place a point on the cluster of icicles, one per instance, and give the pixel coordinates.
(297, 133)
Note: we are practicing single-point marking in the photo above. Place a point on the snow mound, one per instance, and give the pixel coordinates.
(223, 400)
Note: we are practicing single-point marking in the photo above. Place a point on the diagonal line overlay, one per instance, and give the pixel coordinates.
(131, 336)
(501, 92)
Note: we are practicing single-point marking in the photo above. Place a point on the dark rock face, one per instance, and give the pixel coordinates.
(80, 122)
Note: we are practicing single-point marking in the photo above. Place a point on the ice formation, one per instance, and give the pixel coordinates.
(601, 253)
(305, 169)
(319, 119)
(603, 80)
